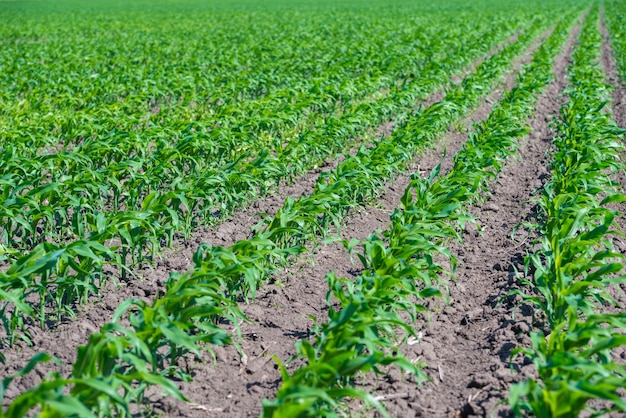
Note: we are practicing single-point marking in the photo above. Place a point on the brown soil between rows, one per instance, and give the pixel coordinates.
(235, 386)
(62, 341)
(618, 95)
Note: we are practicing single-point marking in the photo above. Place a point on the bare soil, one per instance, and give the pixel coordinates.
(618, 94)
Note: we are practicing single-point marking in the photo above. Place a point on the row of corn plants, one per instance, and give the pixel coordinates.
(60, 275)
(124, 361)
(371, 316)
(568, 279)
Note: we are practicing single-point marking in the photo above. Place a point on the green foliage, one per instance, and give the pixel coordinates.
(122, 132)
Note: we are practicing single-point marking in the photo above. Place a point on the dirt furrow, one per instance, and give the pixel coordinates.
(618, 95)
(282, 311)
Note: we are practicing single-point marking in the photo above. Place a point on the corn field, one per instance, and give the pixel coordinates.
(311, 208)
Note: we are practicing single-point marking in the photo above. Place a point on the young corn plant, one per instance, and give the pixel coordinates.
(114, 369)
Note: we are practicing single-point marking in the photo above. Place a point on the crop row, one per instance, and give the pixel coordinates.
(408, 262)
(60, 275)
(569, 279)
(119, 363)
